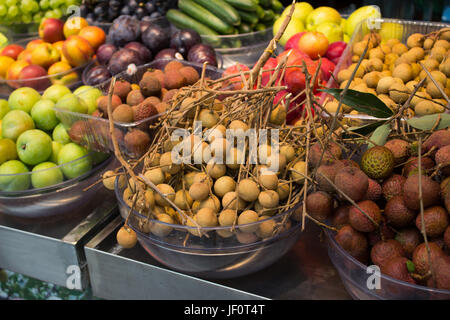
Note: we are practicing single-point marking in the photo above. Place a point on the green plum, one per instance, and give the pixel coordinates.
(79, 164)
(23, 99)
(89, 95)
(60, 134)
(15, 122)
(7, 150)
(43, 115)
(34, 146)
(55, 92)
(13, 177)
(46, 174)
(56, 148)
(71, 102)
(4, 108)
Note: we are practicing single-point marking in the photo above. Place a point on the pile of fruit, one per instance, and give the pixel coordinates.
(33, 142)
(393, 205)
(28, 11)
(326, 20)
(391, 70)
(131, 41)
(225, 17)
(51, 58)
(104, 11)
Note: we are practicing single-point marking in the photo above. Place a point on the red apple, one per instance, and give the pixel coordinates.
(266, 75)
(294, 55)
(295, 78)
(12, 50)
(327, 68)
(51, 30)
(13, 72)
(32, 76)
(292, 43)
(236, 69)
(335, 51)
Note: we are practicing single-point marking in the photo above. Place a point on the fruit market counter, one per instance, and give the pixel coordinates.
(52, 251)
(305, 272)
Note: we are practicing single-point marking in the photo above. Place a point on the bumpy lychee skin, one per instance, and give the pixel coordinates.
(397, 268)
(430, 192)
(437, 139)
(332, 152)
(319, 205)
(374, 191)
(384, 251)
(378, 162)
(352, 182)
(399, 148)
(352, 241)
(328, 169)
(397, 213)
(360, 221)
(409, 238)
(442, 271)
(384, 232)
(420, 256)
(447, 238)
(442, 159)
(436, 221)
(393, 186)
(340, 217)
(412, 165)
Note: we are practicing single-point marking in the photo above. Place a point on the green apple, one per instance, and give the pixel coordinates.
(294, 27)
(15, 122)
(321, 15)
(89, 95)
(1, 137)
(71, 102)
(60, 134)
(43, 115)
(34, 146)
(7, 150)
(13, 177)
(23, 99)
(56, 148)
(79, 164)
(301, 11)
(4, 108)
(55, 92)
(3, 40)
(332, 31)
(46, 174)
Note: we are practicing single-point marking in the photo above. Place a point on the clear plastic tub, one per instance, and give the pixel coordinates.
(245, 48)
(56, 201)
(41, 83)
(354, 276)
(95, 130)
(212, 256)
(20, 31)
(400, 29)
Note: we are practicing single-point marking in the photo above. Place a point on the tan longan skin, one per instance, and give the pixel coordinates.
(238, 125)
(359, 72)
(396, 92)
(359, 47)
(202, 177)
(248, 190)
(227, 217)
(268, 180)
(223, 185)
(298, 169)
(199, 191)
(233, 158)
(246, 238)
(211, 202)
(109, 180)
(415, 40)
(390, 58)
(418, 52)
(183, 200)
(439, 105)
(428, 43)
(189, 179)
(331, 107)
(438, 76)
(392, 42)
(126, 238)
(150, 201)
(156, 176)
(208, 118)
(160, 229)
(424, 108)
(399, 49)
(433, 91)
(431, 64)
(169, 193)
(403, 71)
(215, 170)
(283, 190)
(419, 97)
(288, 151)
(444, 67)
(231, 200)
(269, 199)
(247, 217)
(343, 75)
(372, 79)
(376, 53)
(438, 53)
(410, 85)
(266, 228)
(375, 64)
(442, 43)
(206, 217)
(167, 165)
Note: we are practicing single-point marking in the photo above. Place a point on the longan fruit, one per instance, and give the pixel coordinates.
(149, 197)
(372, 79)
(218, 148)
(168, 192)
(410, 85)
(126, 237)
(183, 200)
(444, 67)
(387, 101)
(218, 131)
(362, 87)
(109, 180)
(167, 165)
(428, 43)
(127, 195)
(268, 180)
(403, 71)
(161, 229)
(331, 107)
(424, 107)
(418, 52)
(202, 177)
(415, 40)
(416, 68)
(359, 47)
(419, 97)
(375, 64)
(392, 42)
(442, 43)
(231, 200)
(385, 73)
(206, 217)
(288, 151)
(224, 233)
(343, 75)
(399, 49)
(438, 76)
(269, 199)
(385, 48)
(215, 170)
(227, 217)
(238, 125)
(156, 175)
(223, 185)
(376, 53)
(264, 152)
(189, 179)
(208, 118)
(246, 238)
(248, 190)
(152, 160)
(199, 191)
(298, 172)
(359, 72)
(439, 105)
(266, 227)
(390, 58)
(283, 190)
(277, 163)
(434, 91)
(247, 217)
(211, 202)
(438, 53)
(278, 115)
(444, 35)
(397, 92)
(234, 158)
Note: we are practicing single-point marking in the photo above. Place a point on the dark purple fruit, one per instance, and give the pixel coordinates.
(124, 29)
(105, 52)
(156, 38)
(121, 59)
(168, 53)
(97, 75)
(183, 40)
(143, 51)
(201, 53)
(144, 25)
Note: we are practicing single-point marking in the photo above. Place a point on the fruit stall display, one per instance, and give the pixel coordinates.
(58, 56)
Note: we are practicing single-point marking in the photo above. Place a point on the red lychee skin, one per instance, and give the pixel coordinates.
(393, 186)
(412, 165)
(437, 139)
(420, 256)
(384, 251)
(397, 213)
(399, 148)
(447, 238)
(360, 221)
(340, 216)
(374, 191)
(353, 242)
(397, 268)
(442, 159)
(436, 221)
(430, 194)
(354, 177)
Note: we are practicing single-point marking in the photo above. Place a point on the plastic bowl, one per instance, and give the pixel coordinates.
(58, 200)
(245, 48)
(354, 276)
(20, 31)
(8, 86)
(96, 130)
(212, 256)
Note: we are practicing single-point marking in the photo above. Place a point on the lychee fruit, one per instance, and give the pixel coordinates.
(374, 191)
(173, 79)
(360, 220)
(442, 158)
(123, 113)
(397, 268)
(328, 169)
(144, 110)
(412, 165)
(190, 74)
(384, 251)
(442, 273)
(430, 191)
(384, 232)
(399, 148)
(420, 257)
(436, 221)
(121, 89)
(319, 205)
(102, 103)
(340, 216)
(134, 97)
(150, 86)
(173, 65)
(393, 186)
(353, 242)
(352, 182)
(409, 238)
(437, 139)
(137, 142)
(378, 162)
(332, 152)
(397, 213)
(447, 238)
(78, 131)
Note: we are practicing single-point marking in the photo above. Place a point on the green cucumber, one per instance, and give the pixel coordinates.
(204, 16)
(245, 28)
(222, 10)
(183, 21)
(265, 3)
(246, 5)
(248, 17)
(260, 27)
(268, 15)
(259, 12)
(277, 6)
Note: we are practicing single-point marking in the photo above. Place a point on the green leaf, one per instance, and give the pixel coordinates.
(380, 135)
(410, 266)
(368, 128)
(362, 102)
(428, 122)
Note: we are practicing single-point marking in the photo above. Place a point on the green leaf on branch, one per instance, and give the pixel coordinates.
(380, 135)
(362, 102)
(429, 122)
(368, 128)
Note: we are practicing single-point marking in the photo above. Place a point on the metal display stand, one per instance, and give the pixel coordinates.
(305, 272)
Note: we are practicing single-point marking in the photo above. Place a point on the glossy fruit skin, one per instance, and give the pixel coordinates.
(378, 162)
(201, 53)
(292, 43)
(97, 75)
(183, 40)
(123, 30)
(27, 74)
(144, 53)
(105, 52)
(121, 59)
(335, 51)
(156, 38)
(167, 53)
(314, 44)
